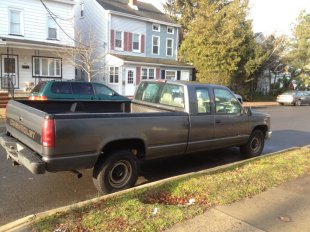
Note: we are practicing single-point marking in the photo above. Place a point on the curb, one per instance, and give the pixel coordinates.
(23, 223)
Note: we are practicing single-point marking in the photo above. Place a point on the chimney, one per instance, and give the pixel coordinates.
(133, 4)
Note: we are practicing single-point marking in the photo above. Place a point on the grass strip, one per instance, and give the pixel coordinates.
(159, 207)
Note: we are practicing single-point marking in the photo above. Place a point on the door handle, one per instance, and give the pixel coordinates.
(218, 121)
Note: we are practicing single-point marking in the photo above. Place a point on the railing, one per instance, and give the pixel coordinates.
(11, 88)
(8, 82)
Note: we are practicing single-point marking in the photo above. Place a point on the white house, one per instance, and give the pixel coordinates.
(137, 41)
(32, 33)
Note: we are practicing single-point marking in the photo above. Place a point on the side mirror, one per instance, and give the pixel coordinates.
(247, 111)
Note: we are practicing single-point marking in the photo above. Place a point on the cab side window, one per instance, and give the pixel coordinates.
(103, 90)
(226, 102)
(203, 100)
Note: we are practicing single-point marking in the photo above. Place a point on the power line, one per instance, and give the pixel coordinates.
(53, 17)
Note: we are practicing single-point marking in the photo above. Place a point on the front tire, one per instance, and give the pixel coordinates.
(254, 146)
(119, 171)
(298, 103)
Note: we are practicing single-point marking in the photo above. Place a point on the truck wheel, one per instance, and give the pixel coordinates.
(118, 172)
(254, 146)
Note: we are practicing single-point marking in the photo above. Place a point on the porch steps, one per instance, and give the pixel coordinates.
(4, 98)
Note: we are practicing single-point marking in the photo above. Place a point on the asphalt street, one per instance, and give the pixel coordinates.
(22, 193)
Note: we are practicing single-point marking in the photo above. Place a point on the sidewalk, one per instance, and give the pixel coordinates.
(285, 208)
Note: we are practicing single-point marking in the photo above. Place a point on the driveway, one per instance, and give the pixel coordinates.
(22, 193)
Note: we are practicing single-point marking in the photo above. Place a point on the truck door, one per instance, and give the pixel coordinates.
(201, 134)
(230, 122)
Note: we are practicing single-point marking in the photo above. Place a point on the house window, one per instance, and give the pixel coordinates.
(155, 45)
(16, 22)
(114, 74)
(136, 42)
(46, 67)
(82, 10)
(169, 51)
(171, 75)
(170, 30)
(148, 73)
(51, 28)
(156, 27)
(118, 40)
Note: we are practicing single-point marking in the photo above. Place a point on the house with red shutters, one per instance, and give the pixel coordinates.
(139, 42)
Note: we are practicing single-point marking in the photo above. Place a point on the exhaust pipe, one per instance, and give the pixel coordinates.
(77, 173)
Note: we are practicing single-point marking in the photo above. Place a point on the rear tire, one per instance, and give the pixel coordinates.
(254, 146)
(119, 171)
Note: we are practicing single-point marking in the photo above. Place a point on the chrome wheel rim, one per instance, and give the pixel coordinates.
(120, 174)
(255, 145)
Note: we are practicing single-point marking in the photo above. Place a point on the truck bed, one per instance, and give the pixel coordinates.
(73, 106)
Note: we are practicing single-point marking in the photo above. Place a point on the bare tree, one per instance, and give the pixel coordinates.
(87, 55)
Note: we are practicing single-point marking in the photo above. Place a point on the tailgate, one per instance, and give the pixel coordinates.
(25, 124)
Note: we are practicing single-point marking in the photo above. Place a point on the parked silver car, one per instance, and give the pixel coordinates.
(294, 97)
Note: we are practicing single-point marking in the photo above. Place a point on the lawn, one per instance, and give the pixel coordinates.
(159, 207)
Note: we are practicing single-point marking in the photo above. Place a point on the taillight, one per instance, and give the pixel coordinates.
(48, 133)
(38, 98)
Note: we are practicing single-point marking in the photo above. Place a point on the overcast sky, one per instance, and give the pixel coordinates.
(270, 16)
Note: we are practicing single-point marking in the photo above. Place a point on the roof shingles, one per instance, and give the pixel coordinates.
(145, 10)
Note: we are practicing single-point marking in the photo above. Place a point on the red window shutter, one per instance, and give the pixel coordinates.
(158, 73)
(130, 42)
(142, 43)
(138, 75)
(126, 41)
(112, 40)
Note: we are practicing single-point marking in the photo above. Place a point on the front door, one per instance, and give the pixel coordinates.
(130, 84)
(231, 125)
(9, 71)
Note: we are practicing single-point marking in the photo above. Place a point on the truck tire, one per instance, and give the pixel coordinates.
(254, 146)
(119, 171)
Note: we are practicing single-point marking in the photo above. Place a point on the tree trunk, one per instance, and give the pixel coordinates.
(89, 73)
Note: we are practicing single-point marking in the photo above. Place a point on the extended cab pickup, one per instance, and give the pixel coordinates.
(165, 118)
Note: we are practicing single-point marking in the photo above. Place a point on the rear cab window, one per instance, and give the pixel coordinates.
(161, 93)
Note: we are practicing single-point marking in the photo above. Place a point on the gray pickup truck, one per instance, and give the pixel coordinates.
(165, 118)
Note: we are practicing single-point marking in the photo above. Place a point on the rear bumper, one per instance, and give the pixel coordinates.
(20, 154)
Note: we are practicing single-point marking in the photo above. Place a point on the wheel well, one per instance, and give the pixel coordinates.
(263, 128)
(136, 146)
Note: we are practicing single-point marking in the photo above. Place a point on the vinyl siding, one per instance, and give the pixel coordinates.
(35, 20)
(163, 41)
(25, 58)
(126, 25)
